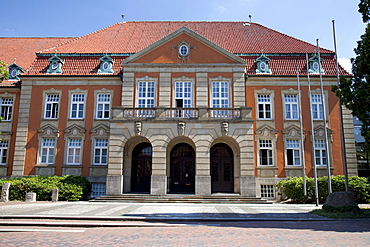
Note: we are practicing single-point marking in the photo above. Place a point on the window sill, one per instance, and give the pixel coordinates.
(50, 119)
(76, 119)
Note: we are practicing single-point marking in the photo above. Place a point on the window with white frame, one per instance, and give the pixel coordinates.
(316, 104)
(51, 106)
(146, 94)
(77, 106)
(291, 106)
(183, 94)
(103, 106)
(267, 191)
(100, 151)
(220, 94)
(74, 151)
(264, 106)
(6, 105)
(265, 152)
(3, 152)
(293, 152)
(47, 151)
(98, 189)
(320, 153)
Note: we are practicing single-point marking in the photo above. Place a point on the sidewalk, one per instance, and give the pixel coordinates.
(156, 212)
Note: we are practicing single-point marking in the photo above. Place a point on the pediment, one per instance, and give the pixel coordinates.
(75, 130)
(48, 130)
(184, 46)
(266, 130)
(320, 131)
(292, 131)
(100, 130)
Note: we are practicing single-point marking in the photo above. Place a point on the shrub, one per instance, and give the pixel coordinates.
(292, 188)
(71, 188)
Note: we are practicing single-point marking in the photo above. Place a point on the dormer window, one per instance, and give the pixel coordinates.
(14, 71)
(55, 66)
(106, 64)
(262, 63)
(315, 65)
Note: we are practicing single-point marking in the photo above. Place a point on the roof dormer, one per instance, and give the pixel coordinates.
(106, 64)
(14, 71)
(315, 65)
(55, 66)
(262, 63)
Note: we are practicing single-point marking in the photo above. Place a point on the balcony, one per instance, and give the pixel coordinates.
(198, 114)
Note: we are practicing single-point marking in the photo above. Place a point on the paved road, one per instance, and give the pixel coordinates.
(162, 211)
(241, 233)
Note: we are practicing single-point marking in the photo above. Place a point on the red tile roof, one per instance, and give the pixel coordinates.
(24, 51)
(236, 37)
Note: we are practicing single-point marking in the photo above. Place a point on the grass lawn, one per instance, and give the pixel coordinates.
(365, 213)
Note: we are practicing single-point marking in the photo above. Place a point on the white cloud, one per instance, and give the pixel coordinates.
(346, 64)
(220, 8)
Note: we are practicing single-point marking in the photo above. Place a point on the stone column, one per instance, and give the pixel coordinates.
(203, 168)
(159, 178)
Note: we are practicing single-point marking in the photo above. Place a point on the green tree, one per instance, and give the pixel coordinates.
(354, 92)
(3, 71)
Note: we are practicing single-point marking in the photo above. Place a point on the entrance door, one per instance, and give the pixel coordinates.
(222, 168)
(182, 170)
(141, 169)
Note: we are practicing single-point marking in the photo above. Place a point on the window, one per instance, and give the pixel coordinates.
(52, 106)
(101, 151)
(183, 94)
(293, 152)
(146, 94)
(77, 106)
(3, 152)
(291, 106)
(6, 105)
(74, 152)
(97, 189)
(47, 151)
(320, 153)
(220, 98)
(103, 106)
(264, 106)
(267, 191)
(265, 152)
(316, 104)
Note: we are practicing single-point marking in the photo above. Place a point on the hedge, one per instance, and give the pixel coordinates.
(292, 188)
(71, 188)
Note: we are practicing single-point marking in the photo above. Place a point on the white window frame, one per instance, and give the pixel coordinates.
(321, 157)
(146, 94)
(6, 105)
(74, 151)
(267, 191)
(47, 151)
(184, 94)
(103, 105)
(77, 102)
(98, 189)
(317, 107)
(264, 102)
(51, 106)
(291, 106)
(266, 145)
(4, 150)
(220, 94)
(293, 149)
(100, 146)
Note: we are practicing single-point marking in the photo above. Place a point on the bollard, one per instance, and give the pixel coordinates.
(5, 192)
(30, 197)
(54, 195)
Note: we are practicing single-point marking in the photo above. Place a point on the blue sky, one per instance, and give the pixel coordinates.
(305, 20)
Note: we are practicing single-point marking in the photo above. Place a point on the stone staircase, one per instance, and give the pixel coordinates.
(181, 198)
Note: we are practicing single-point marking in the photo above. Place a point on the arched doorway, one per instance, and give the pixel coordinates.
(182, 169)
(222, 168)
(141, 170)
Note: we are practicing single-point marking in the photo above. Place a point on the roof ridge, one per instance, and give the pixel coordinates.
(77, 38)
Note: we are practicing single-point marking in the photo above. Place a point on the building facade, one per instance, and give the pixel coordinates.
(174, 107)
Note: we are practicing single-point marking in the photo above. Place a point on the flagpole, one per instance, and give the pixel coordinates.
(344, 155)
(324, 121)
(302, 143)
(312, 135)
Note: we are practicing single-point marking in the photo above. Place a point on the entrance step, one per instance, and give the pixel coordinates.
(178, 198)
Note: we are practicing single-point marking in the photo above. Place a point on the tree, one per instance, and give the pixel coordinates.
(354, 92)
(3, 71)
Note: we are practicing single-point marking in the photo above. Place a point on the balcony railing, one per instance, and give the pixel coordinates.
(200, 113)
